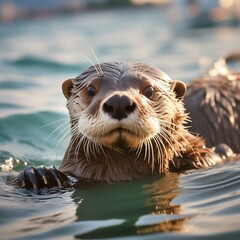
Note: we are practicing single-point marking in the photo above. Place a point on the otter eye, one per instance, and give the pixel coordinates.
(91, 91)
(148, 92)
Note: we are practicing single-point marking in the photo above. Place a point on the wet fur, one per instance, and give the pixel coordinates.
(213, 102)
(152, 140)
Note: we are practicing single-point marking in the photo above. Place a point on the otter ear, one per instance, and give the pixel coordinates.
(66, 87)
(179, 88)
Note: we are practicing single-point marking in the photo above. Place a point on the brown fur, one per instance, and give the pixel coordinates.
(213, 102)
(151, 140)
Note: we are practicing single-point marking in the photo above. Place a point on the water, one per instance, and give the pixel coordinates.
(36, 57)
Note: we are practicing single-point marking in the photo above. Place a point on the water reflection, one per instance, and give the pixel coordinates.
(144, 206)
(161, 192)
(196, 203)
(165, 217)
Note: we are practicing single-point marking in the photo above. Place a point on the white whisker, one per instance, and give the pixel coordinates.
(88, 59)
(99, 65)
(51, 123)
(53, 133)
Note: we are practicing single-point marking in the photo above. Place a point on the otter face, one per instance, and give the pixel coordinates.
(125, 107)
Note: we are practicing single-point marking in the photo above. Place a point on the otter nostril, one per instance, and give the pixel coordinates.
(130, 108)
(107, 108)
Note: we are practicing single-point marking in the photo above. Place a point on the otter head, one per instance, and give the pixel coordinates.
(125, 107)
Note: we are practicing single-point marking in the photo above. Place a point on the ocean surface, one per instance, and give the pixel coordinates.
(36, 56)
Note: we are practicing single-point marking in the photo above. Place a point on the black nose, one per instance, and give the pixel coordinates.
(119, 107)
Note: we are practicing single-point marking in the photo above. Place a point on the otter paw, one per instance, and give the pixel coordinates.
(224, 150)
(41, 177)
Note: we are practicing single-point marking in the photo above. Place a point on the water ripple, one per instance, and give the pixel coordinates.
(37, 62)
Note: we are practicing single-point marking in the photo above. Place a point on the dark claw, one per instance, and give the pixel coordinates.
(54, 172)
(41, 177)
(31, 177)
(41, 171)
(22, 182)
(61, 175)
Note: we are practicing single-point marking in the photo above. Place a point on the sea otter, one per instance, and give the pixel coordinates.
(213, 103)
(127, 121)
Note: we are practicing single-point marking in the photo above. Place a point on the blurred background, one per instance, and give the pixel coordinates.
(43, 43)
(199, 12)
